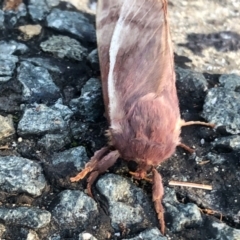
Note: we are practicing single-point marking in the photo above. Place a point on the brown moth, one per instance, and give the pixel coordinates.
(138, 82)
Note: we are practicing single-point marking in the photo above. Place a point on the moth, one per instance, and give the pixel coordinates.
(140, 97)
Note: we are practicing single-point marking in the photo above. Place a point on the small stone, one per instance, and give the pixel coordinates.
(25, 216)
(77, 156)
(86, 236)
(89, 104)
(21, 175)
(74, 209)
(55, 142)
(30, 30)
(42, 119)
(215, 158)
(128, 204)
(93, 59)
(222, 231)
(7, 66)
(72, 22)
(180, 215)
(222, 108)
(149, 234)
(6, 126)
(231, 142)
(47, 63)
(12, 47)
(38, 85)
(38, 9)
(2, 230)
(1, 19)
(64, 46)
(230, 82)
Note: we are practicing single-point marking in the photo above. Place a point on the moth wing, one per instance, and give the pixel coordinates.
(108, 12)
(137, 57)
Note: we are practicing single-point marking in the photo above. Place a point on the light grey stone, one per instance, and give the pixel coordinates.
(37, 83)
(222, 231)
(230, 82)
(42, 120)
(86, 236)
(6, 126)
(127, 203)
(11, 47)
(7, 66)
(73, 209)
(78, 156)
(72, 22)
(38, 9)
(34, 218)
(222, 108)
(52, 3)
(64, 46)
(90, 103)
(182, 215)
(149, 234)
(215, 158)
(21, 175)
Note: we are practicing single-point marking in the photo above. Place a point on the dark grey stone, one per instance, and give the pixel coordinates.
(34, 218)
(78, 128)
(42, 119)
(21, 175)
(90, 103)
(230, 142)
(74, 209)
(47, 63)
(64, 46)
(181, 215)
(77, 156)
(194, 82)
(128, 204)
(149, 234)
(12, 16)
(54, 142)
(93, 59)
(72, 22)
(1, 19)
(7, 66)
(37, 83)
(38, 9)
(222, 108)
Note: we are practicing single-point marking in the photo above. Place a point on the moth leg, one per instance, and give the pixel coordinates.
(140, 174)
(91, 164)
(157, 195)
(183, 123)
(185, 147)
(97, 165)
